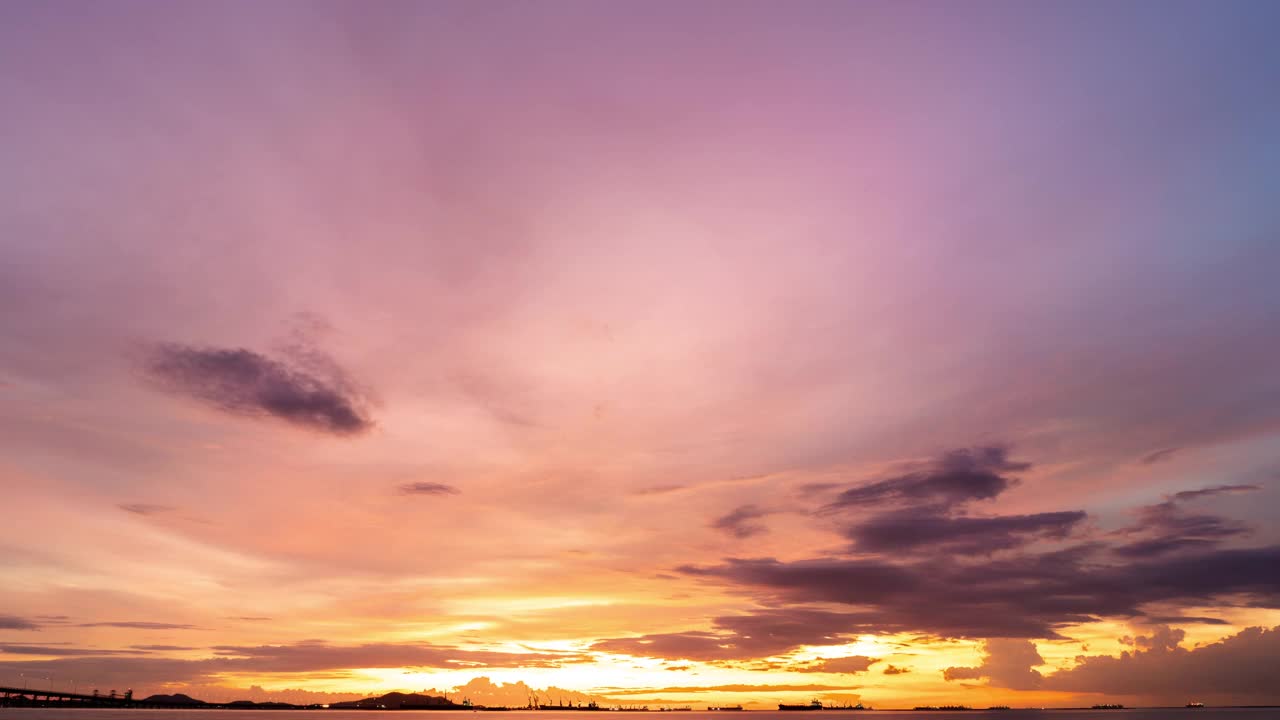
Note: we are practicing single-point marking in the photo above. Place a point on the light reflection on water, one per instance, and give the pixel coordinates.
(1134, 714)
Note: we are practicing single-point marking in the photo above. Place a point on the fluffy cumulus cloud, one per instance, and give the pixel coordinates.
(484, 691)
(1239, 669)
(312, 395)
(1006, 662)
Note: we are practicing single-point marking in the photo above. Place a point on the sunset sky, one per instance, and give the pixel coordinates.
(666, 352)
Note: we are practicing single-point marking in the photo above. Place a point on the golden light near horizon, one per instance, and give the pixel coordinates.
(640, 354)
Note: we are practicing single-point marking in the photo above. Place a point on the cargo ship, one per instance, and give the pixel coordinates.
(814, 705)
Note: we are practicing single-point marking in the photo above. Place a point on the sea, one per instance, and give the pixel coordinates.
(1016, 714)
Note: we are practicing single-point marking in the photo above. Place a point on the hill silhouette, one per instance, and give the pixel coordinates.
(400, 701)
(175, 699)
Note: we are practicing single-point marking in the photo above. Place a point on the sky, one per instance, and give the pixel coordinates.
(666, 352)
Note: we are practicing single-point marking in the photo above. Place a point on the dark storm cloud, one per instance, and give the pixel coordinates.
(741, 522)
(1240, 669)
(908, 530)
(427, 488)
(244, 382)
(920, 563)
(13, 622)
(1027, 596)
(144, 508)
(957, 478)
(895, 670)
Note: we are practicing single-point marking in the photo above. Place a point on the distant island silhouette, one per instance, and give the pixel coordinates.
(32, 698)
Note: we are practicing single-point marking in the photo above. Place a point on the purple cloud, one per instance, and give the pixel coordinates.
(244, 382)
(957, 478)
(740, 523)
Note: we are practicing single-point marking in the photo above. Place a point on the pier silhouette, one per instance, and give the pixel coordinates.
(31, 697)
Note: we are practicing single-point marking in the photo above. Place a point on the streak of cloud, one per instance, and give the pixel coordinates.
(244, 382)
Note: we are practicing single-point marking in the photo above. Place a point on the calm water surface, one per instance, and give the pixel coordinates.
(121, 714)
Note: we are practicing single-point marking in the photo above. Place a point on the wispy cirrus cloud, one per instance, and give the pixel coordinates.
(317, 655)
(742, 522)
(1169, 527)
(738, 687)
(145, 508)
(64, 651)
(850, 664)
(304, 657)
(141, 625)
(13, 622)
(764, 633)
(1159, 456)
(427, 488)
